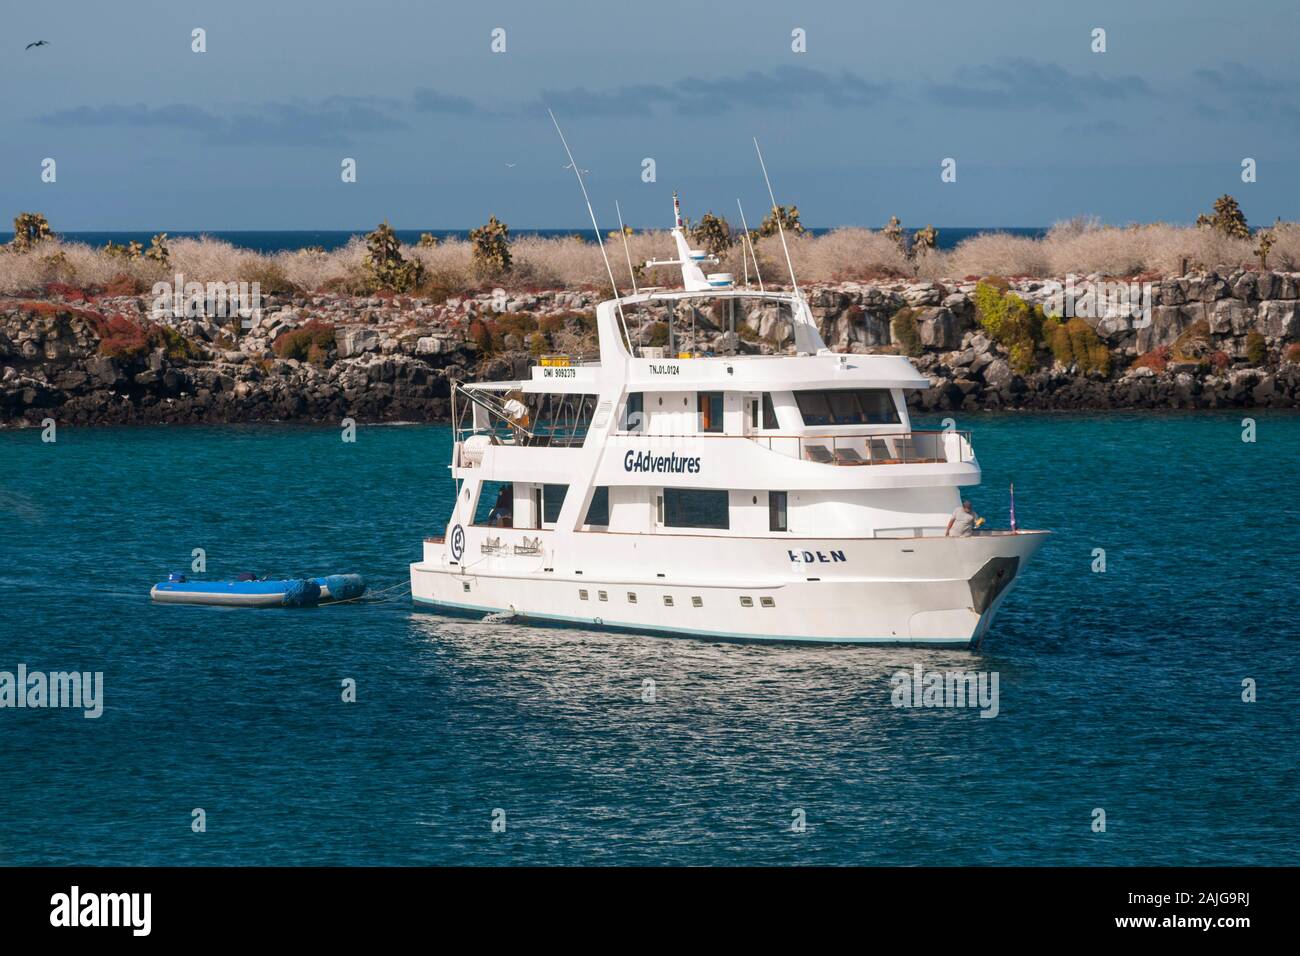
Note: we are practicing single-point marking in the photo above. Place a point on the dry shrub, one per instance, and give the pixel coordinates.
(1000, 253)
(1285, 254)
(1079, 246)
(312, 270)
(1084, 246)
(846, 254)
(213, 260)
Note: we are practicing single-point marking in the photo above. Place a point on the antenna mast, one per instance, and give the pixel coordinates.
(595, 226)
(776, 212)
(752, 254)
(626, 251)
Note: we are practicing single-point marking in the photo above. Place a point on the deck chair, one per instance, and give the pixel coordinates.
(819, 453)
(905, 448)
(878, 452)
(848, 456)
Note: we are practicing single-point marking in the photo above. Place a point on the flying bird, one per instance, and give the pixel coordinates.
(37, 43)
(570, 166)
(511, 165)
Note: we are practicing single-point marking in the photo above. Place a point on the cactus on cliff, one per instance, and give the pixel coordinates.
(712, 234)
(30, 229)
(491, 243)
(386, 267)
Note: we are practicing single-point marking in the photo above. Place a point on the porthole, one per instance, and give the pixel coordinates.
(631, 597)
(767, 602)
(746, 602)
(602, 595)
(582, 594)
(668, 600)
(464, 585)
(697, 601)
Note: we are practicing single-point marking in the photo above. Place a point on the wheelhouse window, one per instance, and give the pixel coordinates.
(696, 508)
(710, 412)
(847, 406)
(559, 418)
(776, 511)
(769, 412)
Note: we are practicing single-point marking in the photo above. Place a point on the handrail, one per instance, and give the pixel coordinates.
(928, 446)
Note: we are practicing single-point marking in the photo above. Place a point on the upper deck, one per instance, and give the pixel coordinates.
(802, 415)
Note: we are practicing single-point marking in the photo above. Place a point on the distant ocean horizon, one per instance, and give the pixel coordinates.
(281, 240)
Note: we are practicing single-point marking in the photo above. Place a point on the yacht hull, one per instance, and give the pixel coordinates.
(939, 592)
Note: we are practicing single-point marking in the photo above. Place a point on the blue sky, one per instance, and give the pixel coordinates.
(251, 134)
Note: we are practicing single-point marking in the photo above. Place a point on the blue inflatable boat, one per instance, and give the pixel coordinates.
(251, 592)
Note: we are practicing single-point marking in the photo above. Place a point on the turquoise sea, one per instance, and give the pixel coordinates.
(1120, 691)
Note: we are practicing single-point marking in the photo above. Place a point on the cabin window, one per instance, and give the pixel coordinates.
(746, 601)
(552, 502)
(847, 406)
(696, 508)
(582, 594)
(697, 601)
(776, 511)
(631, 597)
(634, 412)
(496, 504)
(710, 412)
(602, 595)
(767, 601)
(668, 600)
(769, 412)
(598, 510)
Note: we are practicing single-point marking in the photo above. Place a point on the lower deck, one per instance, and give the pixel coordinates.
(859, 591)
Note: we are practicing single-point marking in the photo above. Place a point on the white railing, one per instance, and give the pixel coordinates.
(907, 448)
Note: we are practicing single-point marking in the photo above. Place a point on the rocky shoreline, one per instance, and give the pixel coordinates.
(1213, 341)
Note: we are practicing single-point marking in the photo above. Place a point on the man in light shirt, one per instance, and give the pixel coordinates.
(963, 521)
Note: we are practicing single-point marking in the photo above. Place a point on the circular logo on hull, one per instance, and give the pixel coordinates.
(457, 542)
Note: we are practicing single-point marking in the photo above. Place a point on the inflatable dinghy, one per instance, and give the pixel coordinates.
(341, 587)
(250, 592)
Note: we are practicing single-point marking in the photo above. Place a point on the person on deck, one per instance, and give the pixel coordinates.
(963, 521)
(502, 514)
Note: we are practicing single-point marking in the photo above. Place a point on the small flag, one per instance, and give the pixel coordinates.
(1013, 507)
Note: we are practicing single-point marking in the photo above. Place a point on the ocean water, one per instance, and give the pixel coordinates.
(288, 239)
(1119, 690)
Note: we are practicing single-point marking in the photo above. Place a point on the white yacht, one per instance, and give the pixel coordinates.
(759, 497)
